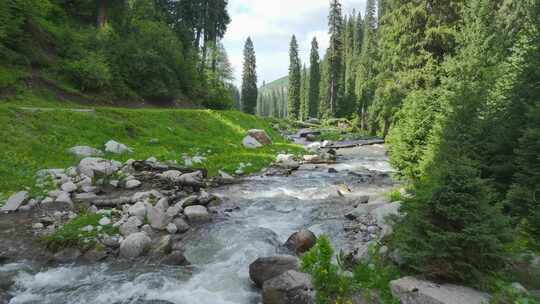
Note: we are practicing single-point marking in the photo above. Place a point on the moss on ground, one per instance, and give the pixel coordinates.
(37, 140)
(72, 234)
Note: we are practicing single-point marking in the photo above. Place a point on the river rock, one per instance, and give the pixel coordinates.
(67, 255)
(135, 245)
(191, 200)
(266, 268)
(65, 199)
(117, 148)
(171, 175)
(138, 210)
(171, 228)
(287, 161)
(251, 143)
(175, 258)
(69, 187)
(181, 225)
(85, 197)
(163, 204)
(93, 166)
(197, 214)
(192, 179)
(301, 241)
(131, 226)
(84, 151)
(132, 184)
(15, 201)
(410, 290)
(383, 214)
(111, 241)
(261, 136)
(291, 287)
(146, 195)
(157, 218)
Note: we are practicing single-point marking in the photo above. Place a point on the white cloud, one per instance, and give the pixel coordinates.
(271, 24)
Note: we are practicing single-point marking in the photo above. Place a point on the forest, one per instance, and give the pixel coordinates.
(91, 46)
(454, 87)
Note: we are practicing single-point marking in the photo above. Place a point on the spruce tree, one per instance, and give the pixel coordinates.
(294, 90)
(249, 79)
(453, 227)
(366, 67)
(334, 57)
(304, 95)
(314, 79)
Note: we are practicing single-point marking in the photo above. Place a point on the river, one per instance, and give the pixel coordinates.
(256, 217)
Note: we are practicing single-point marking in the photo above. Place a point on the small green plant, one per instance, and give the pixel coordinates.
(329, 283)
(395, 195)
(72, 234)
(507, 294)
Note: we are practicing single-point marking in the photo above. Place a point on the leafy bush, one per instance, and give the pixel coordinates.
(330, 285)
(90, 73)
(334, 285)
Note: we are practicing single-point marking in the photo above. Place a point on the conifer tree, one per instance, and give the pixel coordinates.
(304, 95)
(334, 57)
(314, 79)
(249, 79)
(366, 67)
(294, 90)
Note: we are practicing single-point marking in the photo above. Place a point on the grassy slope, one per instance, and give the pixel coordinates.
(38, 140)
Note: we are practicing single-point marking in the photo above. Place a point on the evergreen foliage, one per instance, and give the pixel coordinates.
(314, 79)
(120, 50)
(249, 79)
(295, 81)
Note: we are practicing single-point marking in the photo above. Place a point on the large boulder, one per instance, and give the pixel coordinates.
(261, 136)
(94, 166)
(117, 148)
(197, 214)
(266, 268)
(15, 201)
(251, 143)
(85, 151)
(410, 290)
(291, 287)
(135, 245)
(301, 241)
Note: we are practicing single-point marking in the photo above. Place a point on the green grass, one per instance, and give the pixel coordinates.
(37, 140)
(71, 235)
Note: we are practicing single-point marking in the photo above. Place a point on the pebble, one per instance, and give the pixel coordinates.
(104, 221)
(88, 228)
(38, 226)
(171, 228)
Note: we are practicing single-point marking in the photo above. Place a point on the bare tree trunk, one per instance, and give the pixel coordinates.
(102, 13)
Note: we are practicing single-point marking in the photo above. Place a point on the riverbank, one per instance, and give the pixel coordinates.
(35, 139)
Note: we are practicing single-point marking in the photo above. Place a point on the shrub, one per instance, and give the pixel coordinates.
(330, 285)
(90, 73)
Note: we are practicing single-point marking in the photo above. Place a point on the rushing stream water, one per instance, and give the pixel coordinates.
(261, 213)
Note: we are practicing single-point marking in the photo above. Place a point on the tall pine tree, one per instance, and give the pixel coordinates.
(334, 60)
(304, 95)
(249, 79)
(294, 81)
(314, 79)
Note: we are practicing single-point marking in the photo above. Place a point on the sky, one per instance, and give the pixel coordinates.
(271, 24)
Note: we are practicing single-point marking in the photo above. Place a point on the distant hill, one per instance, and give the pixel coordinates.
(280, 83)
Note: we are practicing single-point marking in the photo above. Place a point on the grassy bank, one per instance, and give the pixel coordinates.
(36, 140)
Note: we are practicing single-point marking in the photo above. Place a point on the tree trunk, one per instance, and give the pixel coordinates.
(102, 13)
